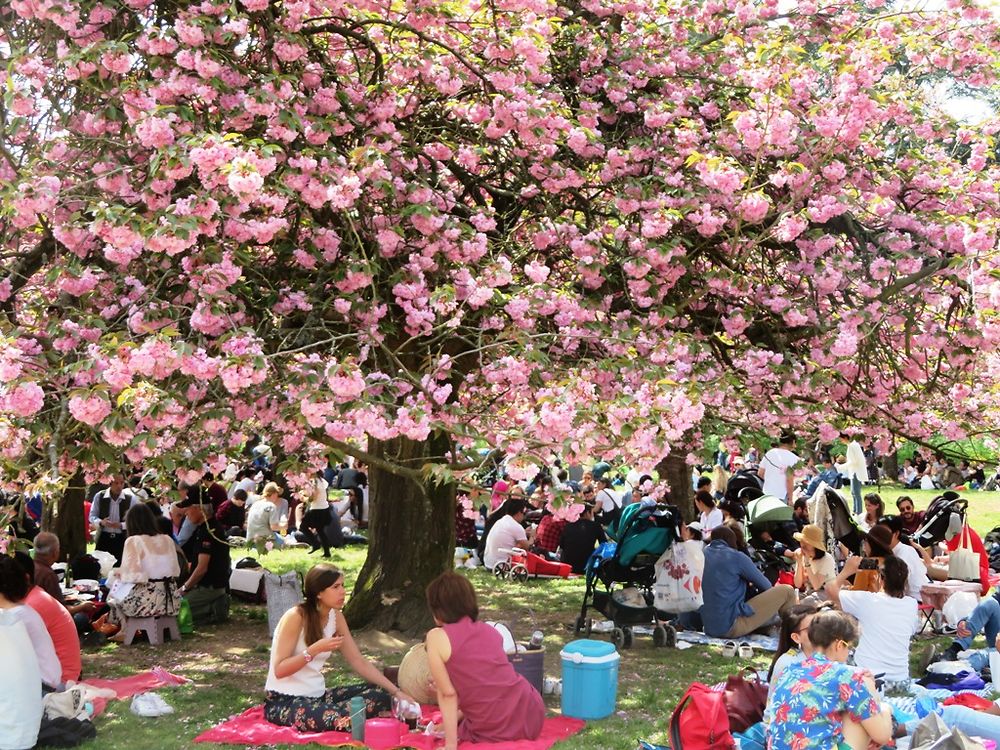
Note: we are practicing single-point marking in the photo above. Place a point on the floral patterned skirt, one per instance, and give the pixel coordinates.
(328, 712)
(152, 599)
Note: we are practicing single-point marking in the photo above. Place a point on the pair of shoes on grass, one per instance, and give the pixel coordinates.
(731, 649)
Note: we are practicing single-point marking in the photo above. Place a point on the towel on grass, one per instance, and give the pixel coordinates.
(250, 728)
(126, 687)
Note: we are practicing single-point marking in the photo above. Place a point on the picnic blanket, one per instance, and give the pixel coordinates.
(759, 642)
(126, 687)
(250, 728)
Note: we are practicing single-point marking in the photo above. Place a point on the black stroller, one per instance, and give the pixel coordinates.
(743, 486)
(943, 519)
(643, 532)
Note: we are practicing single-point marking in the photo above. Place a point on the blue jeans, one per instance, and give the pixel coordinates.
(975, 723)
(985, 619)
(856, 494)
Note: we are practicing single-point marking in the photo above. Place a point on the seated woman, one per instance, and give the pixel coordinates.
(814, 568)
(874, 510)
(888, 620)
(824, 703)
(14, 587)
(149, 563)
(305, 638)
(793, 642)
(481, 697)
(726, 612)
(20, 684)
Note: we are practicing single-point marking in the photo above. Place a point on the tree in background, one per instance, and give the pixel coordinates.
(399, 230)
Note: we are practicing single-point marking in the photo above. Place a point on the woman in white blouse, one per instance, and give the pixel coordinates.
(149, 570)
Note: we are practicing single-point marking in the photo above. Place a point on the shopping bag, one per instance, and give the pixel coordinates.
(963, 564)
(185, 621)
(678, 578)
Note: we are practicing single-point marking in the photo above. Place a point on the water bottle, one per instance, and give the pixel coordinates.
(358, 718)
(536, 640)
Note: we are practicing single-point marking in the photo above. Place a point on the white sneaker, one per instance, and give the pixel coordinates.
(150, 705)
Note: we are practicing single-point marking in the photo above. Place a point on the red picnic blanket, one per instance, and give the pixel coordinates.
(250, 728)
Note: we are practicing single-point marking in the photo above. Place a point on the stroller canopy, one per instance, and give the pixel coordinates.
(943, 519)
(768, 508)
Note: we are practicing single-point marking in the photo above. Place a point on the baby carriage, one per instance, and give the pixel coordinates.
(829, 510)
(943, 519)
(620, 575)
(743, 486)
(770, 528)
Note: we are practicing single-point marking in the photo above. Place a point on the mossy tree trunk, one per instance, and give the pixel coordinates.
(411, 531)
(64, 518)
(675, 471)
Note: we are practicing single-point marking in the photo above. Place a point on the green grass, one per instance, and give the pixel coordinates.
(229, 663)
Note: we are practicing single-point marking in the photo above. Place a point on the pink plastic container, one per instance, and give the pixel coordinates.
(382, 734)
(990, 745)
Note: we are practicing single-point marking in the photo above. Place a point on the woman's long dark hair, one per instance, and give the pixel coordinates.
(318, 579)
(791, 621)
(140, 521)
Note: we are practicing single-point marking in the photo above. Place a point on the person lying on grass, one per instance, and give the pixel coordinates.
(481, 697)
(305, 638)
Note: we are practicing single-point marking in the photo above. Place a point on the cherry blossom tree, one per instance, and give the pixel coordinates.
(401, 230)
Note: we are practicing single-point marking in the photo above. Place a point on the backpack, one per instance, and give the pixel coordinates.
(700, 721)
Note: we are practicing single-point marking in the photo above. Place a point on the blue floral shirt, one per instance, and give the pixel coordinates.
(808, 701)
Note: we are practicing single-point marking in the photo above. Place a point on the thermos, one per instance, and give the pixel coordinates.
(358, 718)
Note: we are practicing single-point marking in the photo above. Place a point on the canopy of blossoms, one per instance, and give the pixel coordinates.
(540, 224)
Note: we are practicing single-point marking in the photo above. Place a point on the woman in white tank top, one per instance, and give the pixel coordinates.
(305, 638)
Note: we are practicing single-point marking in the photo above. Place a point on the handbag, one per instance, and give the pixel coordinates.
(963, 564)
(745, 700)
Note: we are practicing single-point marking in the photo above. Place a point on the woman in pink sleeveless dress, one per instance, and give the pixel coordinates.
(481, 697)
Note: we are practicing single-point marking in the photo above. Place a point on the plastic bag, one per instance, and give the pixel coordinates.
(959, 606)
(678, 578)
(185, 621)
(932, 733)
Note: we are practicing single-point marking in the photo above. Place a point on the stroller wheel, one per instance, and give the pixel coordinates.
(501, 569)
(519, 573)
(664, 636)
(583, 625)
(618, 638)
(628, 637)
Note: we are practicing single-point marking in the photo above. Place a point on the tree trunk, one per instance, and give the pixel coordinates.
(890, 466)
(675, 471)
(411, 532)
(64, 518)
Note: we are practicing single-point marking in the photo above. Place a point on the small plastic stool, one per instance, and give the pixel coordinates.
(155, 627)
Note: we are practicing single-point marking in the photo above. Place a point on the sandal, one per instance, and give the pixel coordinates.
(746, 651)
(729, 649)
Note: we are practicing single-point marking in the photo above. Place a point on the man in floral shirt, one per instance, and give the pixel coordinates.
(821, 699)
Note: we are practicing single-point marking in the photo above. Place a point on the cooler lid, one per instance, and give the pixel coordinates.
(586, 651)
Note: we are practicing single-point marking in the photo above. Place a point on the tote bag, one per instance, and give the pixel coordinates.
(678, 578)
(963, 564)
(283, 592)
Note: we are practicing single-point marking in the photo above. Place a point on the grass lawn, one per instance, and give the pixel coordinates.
(229, 663)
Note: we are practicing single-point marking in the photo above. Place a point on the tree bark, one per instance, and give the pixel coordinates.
(64, 518)
(890, 466)
(411, 531)
(675, 471)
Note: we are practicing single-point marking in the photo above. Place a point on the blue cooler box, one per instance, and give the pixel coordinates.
(589, 679)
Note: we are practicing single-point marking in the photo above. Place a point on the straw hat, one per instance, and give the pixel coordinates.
(812, 535)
